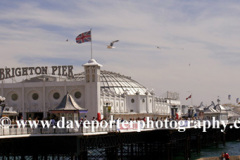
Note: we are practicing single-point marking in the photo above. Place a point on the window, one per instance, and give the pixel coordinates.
(14, 96)
(143, 100)
(56, 95)
(35, 96)
(132, 100)
(88, 78)
(77, 94)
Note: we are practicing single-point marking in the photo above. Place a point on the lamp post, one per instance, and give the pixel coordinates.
(218, 100)
(2, 105)
(174, 111)
(190, 112)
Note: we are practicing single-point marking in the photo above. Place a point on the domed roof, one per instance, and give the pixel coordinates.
(117, 83)
(92, 62)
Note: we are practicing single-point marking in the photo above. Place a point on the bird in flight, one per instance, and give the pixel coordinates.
(66, 40)
(111, 44)
(158, 47)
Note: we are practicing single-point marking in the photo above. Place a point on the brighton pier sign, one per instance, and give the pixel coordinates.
(6, 73)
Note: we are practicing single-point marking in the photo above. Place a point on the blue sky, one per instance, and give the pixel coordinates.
(204, 34)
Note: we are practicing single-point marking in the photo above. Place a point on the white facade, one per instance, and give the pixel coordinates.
(94, 89)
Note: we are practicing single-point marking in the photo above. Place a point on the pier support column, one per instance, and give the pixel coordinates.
(187, 148)
(83, 155)
(146, 149)
(81, 151)
(169, 151)
(224, 138)
(216, 139)
(73, 157)
(121, 152)
(111, 153)
(35, 156)
(22, 157)
(198, 144)
(132, 151)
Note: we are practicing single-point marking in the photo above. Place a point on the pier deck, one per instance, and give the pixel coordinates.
(164, 143)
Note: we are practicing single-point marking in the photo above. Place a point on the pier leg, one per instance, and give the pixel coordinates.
(121, 152)
(72, 157)
(217, 139)
(198, 143)
(146, 149)
(81, 152)
(111, 153)
(169, 151)
(224, 138)
(187, 148)
(131, 151)
(83, 155)
(35, 157)
(140, 150)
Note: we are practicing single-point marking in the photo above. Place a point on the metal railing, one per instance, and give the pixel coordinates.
(15, 130)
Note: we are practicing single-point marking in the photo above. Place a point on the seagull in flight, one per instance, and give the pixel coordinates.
(111, 44)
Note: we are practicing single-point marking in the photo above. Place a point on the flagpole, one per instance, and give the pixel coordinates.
(91, 42)
(191, 99)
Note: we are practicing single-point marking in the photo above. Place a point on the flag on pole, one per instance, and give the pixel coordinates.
(84, 37)
(189, 97)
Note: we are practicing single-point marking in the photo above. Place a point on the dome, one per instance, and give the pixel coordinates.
(92, 62)
(117, 83)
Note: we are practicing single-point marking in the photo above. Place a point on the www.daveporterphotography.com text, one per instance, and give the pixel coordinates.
(139, 125)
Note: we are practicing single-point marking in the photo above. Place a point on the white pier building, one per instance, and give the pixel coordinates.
(100, 92)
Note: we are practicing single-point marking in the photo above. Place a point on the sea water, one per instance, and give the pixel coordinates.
(233, 148)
